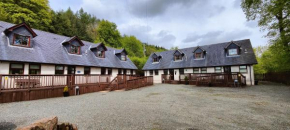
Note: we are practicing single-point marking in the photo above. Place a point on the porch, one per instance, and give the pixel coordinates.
(207, 79)
(31, 87)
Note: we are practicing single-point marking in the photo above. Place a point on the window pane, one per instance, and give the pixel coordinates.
(59, 67)
(233, 52)
(165, 72)
(243, 68)
(123, 57)
(196, 70)
(21, 40)
(203, 70)
(34, 66)
(151, 72)
(156, 72)
(181, 71)
(109, 71)
(17, 66)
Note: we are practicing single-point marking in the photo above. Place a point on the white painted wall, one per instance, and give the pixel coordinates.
(95, 70)
(80, 70)
(210, 70)
(157, 78)
(188, 70)
(47, 69)
(4, 67)
(250, 71)
(26, 68)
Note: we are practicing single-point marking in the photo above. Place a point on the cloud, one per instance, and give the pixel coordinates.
(152, 8)
(146, 34)
(216, 37)
(181, 23)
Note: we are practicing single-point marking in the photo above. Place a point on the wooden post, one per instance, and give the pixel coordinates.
(0, 83)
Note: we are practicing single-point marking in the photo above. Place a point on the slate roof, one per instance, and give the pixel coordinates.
(48, 49)
(215, 56)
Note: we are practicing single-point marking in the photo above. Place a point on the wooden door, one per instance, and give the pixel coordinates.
(171, 72)
(71, 70)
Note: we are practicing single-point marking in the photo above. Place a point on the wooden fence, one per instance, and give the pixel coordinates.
(278, 77)
(206, 79)
(31, 87)
(126, 82)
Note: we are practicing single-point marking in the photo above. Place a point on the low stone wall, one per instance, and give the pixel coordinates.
(50, 123)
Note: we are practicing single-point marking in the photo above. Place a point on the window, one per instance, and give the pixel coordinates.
(181, 71)
(165, 72)
(177, 57)
(124, 71)
(87, 70)
(20, 40)
(218, 69)
(119, 71)
(233, 52)
(243, 69)
(155, 59)
(203, 70)
(109, 71)
(16, 68)
(131, 72)
(156, 72)
(123, 57)
(103, 71)
(151, 72)
(195, 70)
(198, 55)
(34, 68)
(59, 69)
(101, 54)
(74, 49)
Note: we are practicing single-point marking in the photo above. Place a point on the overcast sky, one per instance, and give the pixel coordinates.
(167, 23)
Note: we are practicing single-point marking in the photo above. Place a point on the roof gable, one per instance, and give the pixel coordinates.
(232, 43)
(11, 29)
(198, 49)
(72, 39)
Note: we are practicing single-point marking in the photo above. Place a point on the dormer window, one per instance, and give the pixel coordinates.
(99, 50)
(101, 54)
(232, 49)
(20, 40)
(73, 45)
(123, 57)
(156, 58)
(199, 53)
(74, 49)
(121, 54)
(178, 55)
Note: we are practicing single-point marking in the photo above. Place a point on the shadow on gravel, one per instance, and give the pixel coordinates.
(7, 126)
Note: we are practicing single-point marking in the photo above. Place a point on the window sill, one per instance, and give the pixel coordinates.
(200, 59)
(155, 62)
(177, 60)
(233, 56)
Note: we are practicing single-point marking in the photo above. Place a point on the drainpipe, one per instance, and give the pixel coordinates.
(251, 75)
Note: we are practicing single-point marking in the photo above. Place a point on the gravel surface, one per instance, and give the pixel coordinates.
(162, 106)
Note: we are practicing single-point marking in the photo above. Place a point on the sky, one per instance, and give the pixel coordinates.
(168, 23)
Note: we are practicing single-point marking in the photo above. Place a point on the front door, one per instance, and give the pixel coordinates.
(171, 72)
(71, 78)
(227, 69)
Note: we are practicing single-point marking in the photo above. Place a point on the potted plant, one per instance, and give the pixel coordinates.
(186, 80)
(65, 91)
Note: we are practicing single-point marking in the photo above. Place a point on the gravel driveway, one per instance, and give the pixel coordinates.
(162, 106)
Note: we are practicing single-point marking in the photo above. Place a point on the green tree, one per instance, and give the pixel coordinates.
(133, 46)
(272, 15)
(108, 33)
(174, 48)
(36, 13)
